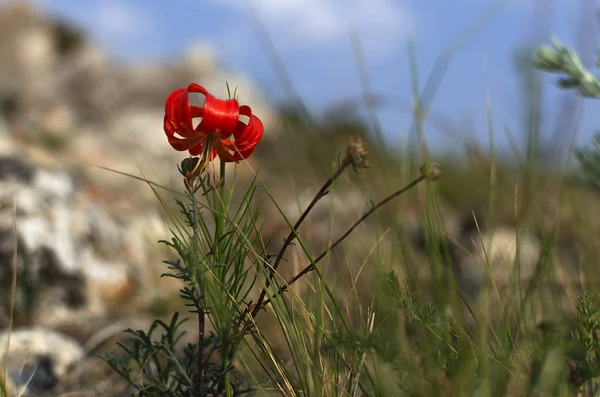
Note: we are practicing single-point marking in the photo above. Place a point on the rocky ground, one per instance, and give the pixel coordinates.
(86, 238)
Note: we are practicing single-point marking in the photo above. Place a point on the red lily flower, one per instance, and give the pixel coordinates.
(220, 122)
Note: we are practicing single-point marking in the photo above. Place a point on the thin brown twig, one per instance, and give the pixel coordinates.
(293, 233)
(311, 266)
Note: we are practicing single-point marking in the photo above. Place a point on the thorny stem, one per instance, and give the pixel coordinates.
(311, 266)
(347, 161)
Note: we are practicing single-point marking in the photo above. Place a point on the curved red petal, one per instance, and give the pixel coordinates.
(246, 153)
(220, 116)
(196, 111)
(213, 154)
(242, 149)
(197, 149)
(193, 87)
(245, 110)
(239, 155)
(183, 144)
(224, 154)
(247, 136)
(243, 154)
(178, 114)
(179, 144)
(169, 126)
(170, 129)
(174, 97)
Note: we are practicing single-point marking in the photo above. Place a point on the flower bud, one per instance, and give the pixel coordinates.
(431, 171)
(188, 165)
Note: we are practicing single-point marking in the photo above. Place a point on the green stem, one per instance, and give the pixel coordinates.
(220, 215)
(220, 226)
(196, 277)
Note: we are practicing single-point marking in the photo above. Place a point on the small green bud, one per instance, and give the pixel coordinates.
(431, 171)
(562, 59)
(546, 59)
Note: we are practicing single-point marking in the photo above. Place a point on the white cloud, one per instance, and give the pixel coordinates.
(315, 22)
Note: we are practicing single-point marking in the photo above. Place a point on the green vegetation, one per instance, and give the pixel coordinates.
(381, 307)
(401, 323)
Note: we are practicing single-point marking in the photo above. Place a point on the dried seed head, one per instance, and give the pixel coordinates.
(356, 153)
(575, 373)
(188, 166)
(431, 171)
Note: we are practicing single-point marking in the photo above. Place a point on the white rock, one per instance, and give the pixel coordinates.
(141, 130)
(55, 185)
(498, 249)
(28, 346)
(59, 120)
(28, 200)
(36, 50)
(35, 231)
(102, 272)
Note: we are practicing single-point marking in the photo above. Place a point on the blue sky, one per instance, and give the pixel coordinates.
(312, 38)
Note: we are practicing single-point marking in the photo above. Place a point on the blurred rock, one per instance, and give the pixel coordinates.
(330, 217)
(476, 254)
(70, 251)
(58, 121)
(16, 169)
(511, 257)
(39, 358)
